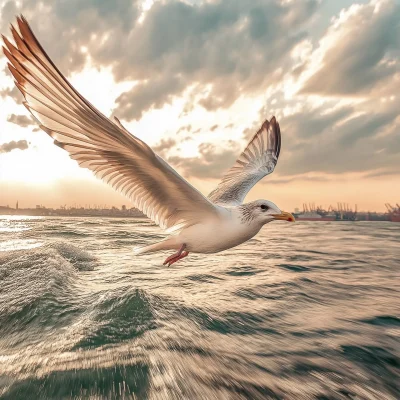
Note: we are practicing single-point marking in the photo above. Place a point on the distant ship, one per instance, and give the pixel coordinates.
(311, 212)
(314, 216)
(393, 212)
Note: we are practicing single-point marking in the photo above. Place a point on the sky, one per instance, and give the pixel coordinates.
(196, 79)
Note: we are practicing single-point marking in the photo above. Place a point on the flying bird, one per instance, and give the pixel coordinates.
(195, 223)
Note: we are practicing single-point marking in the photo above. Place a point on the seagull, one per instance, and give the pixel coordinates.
(195, 223)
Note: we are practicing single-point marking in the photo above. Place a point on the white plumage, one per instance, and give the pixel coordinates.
(129, 165)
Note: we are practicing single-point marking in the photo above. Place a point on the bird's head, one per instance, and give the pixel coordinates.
(264, 211)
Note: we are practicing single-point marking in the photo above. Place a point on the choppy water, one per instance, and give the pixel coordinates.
(303, 311)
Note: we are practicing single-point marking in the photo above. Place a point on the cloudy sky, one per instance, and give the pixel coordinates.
(196, 78)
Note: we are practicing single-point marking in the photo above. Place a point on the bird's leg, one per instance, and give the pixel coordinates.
(183, 255)
(176, 256)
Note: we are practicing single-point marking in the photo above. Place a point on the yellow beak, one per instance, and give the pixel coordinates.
(284, 216)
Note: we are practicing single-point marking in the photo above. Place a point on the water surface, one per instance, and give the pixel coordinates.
(303, 311)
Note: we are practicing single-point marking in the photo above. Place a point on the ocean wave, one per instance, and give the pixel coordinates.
(117, 316)
(65, 233)
(91, 222)
(33, 287)
(38, 290)
(131, 221)
(79, 258)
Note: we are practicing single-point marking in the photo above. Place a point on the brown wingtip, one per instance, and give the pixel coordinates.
(14, 31)
(265, 125)
(272, 126)
(15, 34)
(8, 44)
(17, 76)
(21, 20)
(277, 134)
(273, 123)
(279, 139)
(5, 50)
(267, 122)
(58, 144)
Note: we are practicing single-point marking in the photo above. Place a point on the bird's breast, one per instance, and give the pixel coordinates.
(215, 236)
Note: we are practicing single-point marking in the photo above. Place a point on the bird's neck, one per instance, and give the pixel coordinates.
(244, 216)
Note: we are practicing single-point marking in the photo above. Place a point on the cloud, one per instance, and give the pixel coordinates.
(163, 147)
(212, 161)
(71, 26)
(220, 49)
(309, 122)
(223, 49)
(186, 128)
(150, 94)
(383, 172)
(359, 51)
(273, 180)
(338, 142)
(213, 128)
(352, 122)
(14, 93)
(21, 120)
(7, 147)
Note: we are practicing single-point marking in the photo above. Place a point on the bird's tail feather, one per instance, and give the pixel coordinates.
(159, 246)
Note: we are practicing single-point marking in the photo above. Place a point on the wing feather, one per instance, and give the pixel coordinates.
(95, 142)
(257, 160)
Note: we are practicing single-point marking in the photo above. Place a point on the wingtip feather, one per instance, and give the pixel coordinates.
(10, 47)
(265, 125)
(59, 144)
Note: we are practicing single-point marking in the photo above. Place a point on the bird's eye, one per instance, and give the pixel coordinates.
(264, 207)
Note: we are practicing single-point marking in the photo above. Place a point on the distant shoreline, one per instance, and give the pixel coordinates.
(75, 215)
(43, 212)
(124, 212)
(145, 217)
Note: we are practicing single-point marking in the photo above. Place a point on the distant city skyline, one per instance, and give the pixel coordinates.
(342, 212)
(126, 206)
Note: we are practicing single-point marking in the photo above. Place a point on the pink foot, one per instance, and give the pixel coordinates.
(176, 256)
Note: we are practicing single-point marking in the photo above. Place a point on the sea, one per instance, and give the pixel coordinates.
(309, 310)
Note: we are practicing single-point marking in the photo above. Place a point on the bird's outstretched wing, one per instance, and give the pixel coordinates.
(257, 160)
(97, 143)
